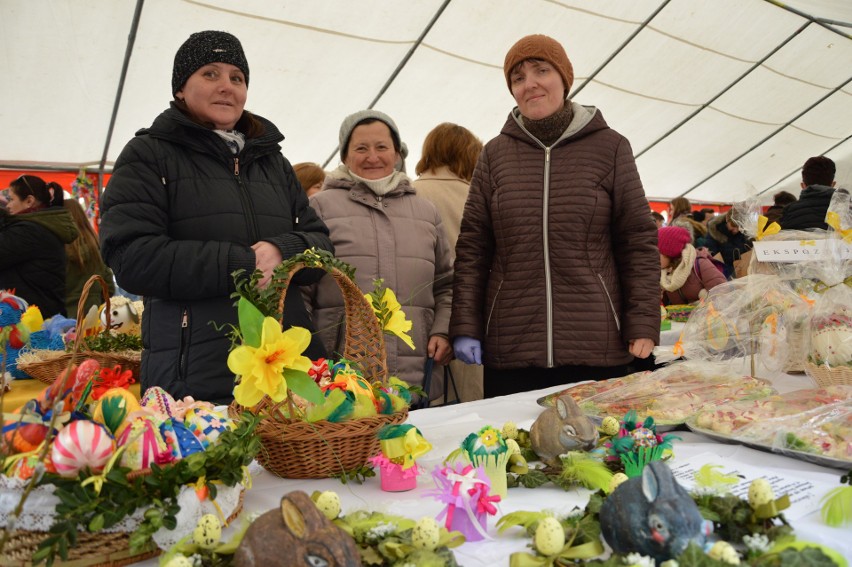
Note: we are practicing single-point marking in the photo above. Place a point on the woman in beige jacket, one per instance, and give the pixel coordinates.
(380, 227)
(446, 165)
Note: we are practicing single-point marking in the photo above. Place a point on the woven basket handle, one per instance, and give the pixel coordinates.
(81, 304)
(365, 342)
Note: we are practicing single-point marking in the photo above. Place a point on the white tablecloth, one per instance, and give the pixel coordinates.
(446, 427)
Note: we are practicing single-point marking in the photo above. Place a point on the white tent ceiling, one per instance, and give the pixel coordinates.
(721, 99)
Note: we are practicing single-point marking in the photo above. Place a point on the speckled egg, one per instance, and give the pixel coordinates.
(425, 534)
(616, 480)
(724, 551)
(643, 437)
(328, 503)
(760, 492)
(549, 536)
(610, 426)
(114, 407)
(82, 445)
(207, 532)
(831, 340)
(180, 561)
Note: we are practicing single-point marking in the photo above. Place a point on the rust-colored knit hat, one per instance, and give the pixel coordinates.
(540, 47)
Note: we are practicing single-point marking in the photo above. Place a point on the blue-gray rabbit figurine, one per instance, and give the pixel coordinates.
(652, 515)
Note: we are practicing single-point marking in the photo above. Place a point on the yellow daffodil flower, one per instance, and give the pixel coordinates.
(261, 369)
(391, 315)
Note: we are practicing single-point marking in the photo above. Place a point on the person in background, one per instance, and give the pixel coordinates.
(680, 214)
(311, 177)
(817, 190)
(779, 201)
(201, 193)
(724, 237)
(84, 261)
(556, 276)
(659, 219)
(34, 229)
(699, 226)
(685, 277)
(445, 168)
(383, 229)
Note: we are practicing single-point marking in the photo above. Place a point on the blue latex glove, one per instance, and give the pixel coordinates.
(468, 350)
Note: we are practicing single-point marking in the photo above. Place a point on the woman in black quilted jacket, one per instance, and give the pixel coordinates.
(201, 193)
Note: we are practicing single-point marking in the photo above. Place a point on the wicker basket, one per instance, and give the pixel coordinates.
(46, 365)
(93, 549)
(298, 449)
(824, 376)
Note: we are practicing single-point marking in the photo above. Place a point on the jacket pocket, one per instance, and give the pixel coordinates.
(185, 341)
(493, 307)
(611, 304)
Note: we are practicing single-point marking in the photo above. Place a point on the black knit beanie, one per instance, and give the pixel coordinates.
(203, 48)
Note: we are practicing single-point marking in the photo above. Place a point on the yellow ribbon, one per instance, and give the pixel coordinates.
(405, 449)
(10, 461)
(771, 509)
(583, 551)
(807, 243)
(763, 230)
(832, 219)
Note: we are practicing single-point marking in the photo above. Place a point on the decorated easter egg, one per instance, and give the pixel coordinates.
(207, 532)
(207, 424)
(643, 437)
(143, 444)
(616, 480)
(426, 534)
(158, 400)
(549, 536)
(180, 561)
(831, 340)
(82, 445)
(179, 439)
(114, 407)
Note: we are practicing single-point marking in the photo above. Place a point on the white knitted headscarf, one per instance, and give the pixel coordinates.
(673, 280)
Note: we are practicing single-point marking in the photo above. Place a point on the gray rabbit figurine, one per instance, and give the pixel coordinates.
(652, 515)
(560, 429)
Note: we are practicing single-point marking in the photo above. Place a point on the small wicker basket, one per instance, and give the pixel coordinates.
(299, 449)
(824, 376)
(46, 365)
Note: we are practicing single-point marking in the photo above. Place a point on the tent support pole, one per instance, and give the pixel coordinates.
(131, 39)
(399, 67)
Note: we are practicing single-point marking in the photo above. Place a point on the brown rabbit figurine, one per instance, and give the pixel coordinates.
(560, 429)
(296, 535)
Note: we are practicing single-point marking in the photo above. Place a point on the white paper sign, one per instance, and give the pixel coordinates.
(805, 494)
(790, 251)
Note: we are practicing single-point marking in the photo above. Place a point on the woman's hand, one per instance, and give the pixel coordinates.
(266, 258)
(440, 349)
(641, 348)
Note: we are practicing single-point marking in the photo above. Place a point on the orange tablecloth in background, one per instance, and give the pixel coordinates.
(25, 390)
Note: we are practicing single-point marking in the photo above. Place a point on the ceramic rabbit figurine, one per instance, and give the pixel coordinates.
(560, 429)
(652, 515)
(296, 535)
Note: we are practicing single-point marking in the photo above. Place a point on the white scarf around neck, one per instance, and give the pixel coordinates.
(673, 280)
(381, 186)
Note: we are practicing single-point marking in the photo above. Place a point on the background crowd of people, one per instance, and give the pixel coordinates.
(525, 262)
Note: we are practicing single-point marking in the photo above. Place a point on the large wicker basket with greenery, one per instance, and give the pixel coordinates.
(296, 448)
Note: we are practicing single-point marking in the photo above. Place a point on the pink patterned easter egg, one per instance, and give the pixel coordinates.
(82, 445)
(143, 445)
